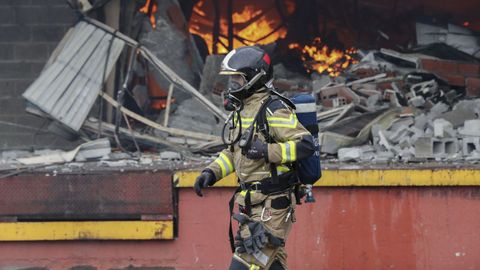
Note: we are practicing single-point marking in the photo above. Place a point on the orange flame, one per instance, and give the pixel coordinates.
(320, 58)
(262, 30)
(145, 10)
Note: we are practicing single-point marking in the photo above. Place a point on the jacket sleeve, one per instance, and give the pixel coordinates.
(293, 141)
(222, 165)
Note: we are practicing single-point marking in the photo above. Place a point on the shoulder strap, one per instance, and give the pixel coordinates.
(261, 119)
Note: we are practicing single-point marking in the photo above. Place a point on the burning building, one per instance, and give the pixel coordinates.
(130, 89)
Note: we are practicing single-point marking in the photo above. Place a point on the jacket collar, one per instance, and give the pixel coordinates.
(257, 97)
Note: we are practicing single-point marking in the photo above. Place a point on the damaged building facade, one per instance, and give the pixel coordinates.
(109, 108)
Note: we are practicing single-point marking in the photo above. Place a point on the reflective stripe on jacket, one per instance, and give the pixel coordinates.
(284, 128)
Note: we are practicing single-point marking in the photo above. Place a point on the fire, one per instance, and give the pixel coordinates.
(146, 10)
(251, 25)
(320, 58)
(258, 31)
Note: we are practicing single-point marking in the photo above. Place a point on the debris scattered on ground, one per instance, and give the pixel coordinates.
(405, 105)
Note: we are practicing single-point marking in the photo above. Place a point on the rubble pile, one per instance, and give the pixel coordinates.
(413, 105)
(407, 107)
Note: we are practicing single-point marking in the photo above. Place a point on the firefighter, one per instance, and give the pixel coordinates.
(262, 160)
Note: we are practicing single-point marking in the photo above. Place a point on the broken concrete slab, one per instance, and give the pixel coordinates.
(406, 154)
(383, 140)
(421, 121)
(398, 134)
(402, 123)
(470, 128)
(383, 157)
(474, 156)
(170, 155)
(350, 154)
(330, 142)
(354, 130)
(462, 111)
(94, 149)
(442, 128)
(97, 148)
(417, 101)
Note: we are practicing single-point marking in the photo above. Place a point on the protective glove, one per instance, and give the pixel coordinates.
(257, 150)
(251, 237)
(238, 244)
(206, 179)
(259, 234)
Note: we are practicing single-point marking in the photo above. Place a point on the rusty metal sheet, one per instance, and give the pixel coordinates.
(128, 195)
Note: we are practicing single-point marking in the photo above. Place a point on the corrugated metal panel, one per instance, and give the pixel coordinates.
(67, 89)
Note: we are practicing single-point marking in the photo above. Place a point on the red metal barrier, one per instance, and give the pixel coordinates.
(108, 195)
(347, 228)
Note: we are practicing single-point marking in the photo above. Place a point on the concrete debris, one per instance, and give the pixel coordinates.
(442, 128)
(417, 101)
(434, 122)
(470, 145)
(456, 36)
(470, 128)
(93, 150)
(169, 155)
(410, 105)
(337, 96)
(462, 111)
(88, 150)
(349, 154)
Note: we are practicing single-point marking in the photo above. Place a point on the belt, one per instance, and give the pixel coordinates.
(266, 185)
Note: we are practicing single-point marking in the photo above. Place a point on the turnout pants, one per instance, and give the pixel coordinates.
(276, 212)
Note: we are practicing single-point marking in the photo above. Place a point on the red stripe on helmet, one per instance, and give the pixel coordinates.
(266, 58)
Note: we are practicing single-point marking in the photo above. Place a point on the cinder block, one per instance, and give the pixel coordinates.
(470, 144)
(429, 147)
(472, 87)
(424, 147)
(451, 146)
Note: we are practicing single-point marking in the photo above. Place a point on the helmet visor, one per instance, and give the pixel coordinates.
(236, 83)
